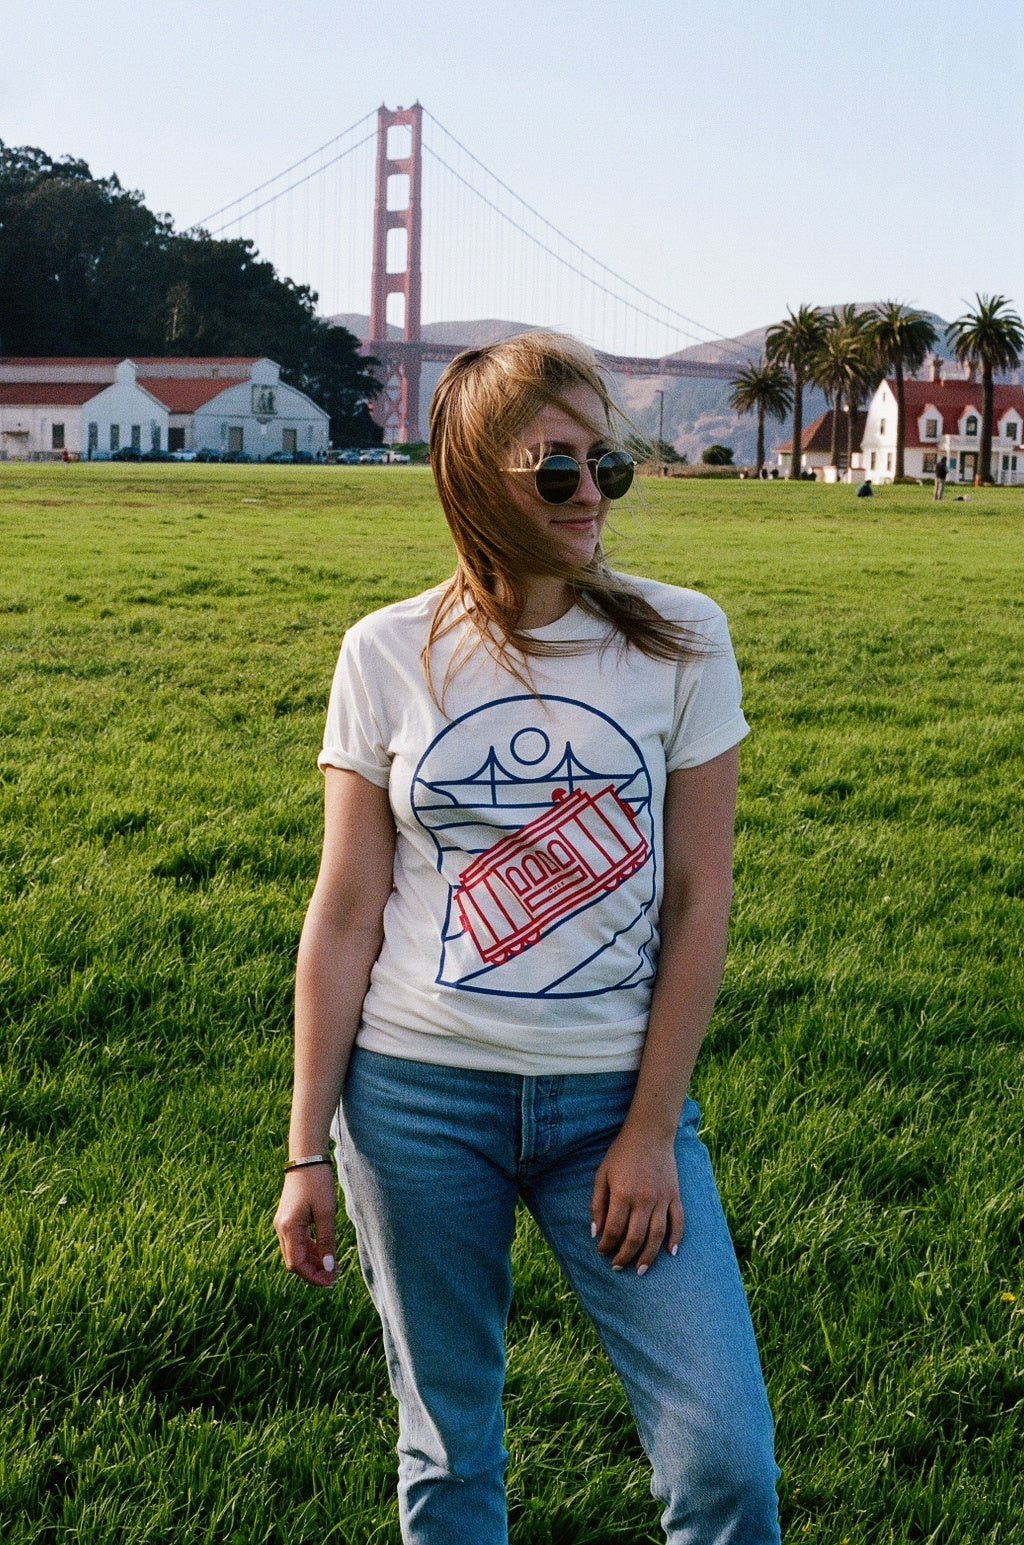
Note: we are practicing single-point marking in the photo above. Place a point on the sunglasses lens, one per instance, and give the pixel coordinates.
(557, 479)
(614, 474)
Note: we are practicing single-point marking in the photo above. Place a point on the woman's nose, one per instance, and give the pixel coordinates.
(588, 491)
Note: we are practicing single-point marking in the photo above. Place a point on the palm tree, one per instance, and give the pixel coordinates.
(900, 339)
(795, 343)
(766, 389)
(991, 336)
(840, 369)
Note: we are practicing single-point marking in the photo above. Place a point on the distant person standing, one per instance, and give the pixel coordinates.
(941, 472)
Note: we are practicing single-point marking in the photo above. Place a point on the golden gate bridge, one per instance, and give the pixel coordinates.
(483, 249)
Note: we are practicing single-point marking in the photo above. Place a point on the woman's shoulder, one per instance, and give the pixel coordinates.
(677, 603)
(400, 621)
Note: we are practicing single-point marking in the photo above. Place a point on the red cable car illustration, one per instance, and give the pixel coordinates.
(583, 847)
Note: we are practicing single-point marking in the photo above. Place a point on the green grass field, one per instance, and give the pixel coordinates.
(167, 639)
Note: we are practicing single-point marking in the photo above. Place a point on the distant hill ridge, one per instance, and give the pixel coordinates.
(696, 413)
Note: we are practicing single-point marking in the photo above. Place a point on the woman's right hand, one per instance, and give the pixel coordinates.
(304, 1224)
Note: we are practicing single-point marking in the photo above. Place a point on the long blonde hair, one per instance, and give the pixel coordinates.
(483, 401)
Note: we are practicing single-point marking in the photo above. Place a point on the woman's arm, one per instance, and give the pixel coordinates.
(341, 939)
(635, 1206)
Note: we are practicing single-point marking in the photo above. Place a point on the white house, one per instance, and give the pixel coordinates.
(816, 446)
(51, 408)
(943, 418)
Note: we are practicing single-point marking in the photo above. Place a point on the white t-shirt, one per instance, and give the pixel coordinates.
(522, 931)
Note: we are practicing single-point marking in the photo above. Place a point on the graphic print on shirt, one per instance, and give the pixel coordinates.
(540, 812)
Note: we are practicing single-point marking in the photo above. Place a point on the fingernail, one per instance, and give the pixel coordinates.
(616, 1268)
(673, 1249)
(593, 1231)
(641, 1269)
(328, 1263)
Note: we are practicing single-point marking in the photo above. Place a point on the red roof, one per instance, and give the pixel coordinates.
(139, 359)
(817, 436)
(47, 394)
(952, 399)
(184, 394)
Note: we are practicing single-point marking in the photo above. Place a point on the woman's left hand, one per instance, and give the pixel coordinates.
(635, 1206)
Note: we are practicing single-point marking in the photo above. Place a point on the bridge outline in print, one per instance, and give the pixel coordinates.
(582, 783)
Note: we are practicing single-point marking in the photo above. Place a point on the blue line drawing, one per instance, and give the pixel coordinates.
(539, 809)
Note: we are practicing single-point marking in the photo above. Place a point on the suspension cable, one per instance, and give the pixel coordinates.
(573, 268)
(715, 335)
(237, 219)
(288, 169)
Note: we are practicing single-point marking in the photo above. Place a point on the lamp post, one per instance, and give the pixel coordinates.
(661, 428)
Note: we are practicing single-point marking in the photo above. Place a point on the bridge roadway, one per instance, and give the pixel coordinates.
(395, 352)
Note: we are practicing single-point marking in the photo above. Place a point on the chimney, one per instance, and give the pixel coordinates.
(935, 368)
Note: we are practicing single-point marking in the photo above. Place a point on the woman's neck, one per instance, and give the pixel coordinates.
(547, 599)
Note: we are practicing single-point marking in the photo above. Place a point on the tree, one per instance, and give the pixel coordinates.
(900, 339)
(84, 265)
(841, 370)
(991, 336)
(717, 456)
(765, 389)
(795, 343)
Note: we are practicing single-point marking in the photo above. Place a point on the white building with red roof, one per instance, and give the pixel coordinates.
(94, 407)
(943, 418)
(816, 446)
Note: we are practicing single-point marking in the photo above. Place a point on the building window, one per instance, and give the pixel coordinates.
(1011, 431)
(115, 437)
(888, 462)
(952, 463)
(873, 460)
(928, 462)
(264, 401)
(881, 426)
(288, 445)
(1006, 463)
(57, 437)
(136, 437)
(971, 427)
(94, 437)
(235, 435)
(154, 435)
(931, 429)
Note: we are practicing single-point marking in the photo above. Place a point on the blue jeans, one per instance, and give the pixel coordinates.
(433, 1161)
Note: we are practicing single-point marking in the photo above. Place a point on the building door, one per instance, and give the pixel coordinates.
(176, 438)
(288, 441)
(234, 439)
(968, 466)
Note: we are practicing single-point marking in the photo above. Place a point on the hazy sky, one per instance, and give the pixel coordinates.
(732, 159)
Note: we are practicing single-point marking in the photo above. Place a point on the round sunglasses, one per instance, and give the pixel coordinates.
(557, 478)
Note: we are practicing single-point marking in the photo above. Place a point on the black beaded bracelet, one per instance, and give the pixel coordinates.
(314, 1158)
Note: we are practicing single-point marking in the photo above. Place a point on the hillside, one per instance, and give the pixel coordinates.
(696, 412)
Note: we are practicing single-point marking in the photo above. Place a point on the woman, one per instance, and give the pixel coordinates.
(510, 959)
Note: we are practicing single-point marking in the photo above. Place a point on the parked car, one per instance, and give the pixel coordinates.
(184, 455)
(348, 458)
(396, 458)
(237, 456)
(126, 453)
(280, 458)
(207, 455)
(372, 458)
(304, 459)
(156, 456)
